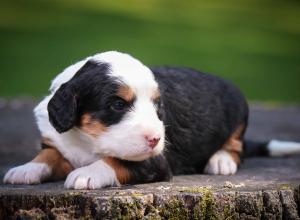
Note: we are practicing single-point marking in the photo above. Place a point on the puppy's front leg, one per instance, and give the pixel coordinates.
(114, 172)
(94, 176)
(49, 164)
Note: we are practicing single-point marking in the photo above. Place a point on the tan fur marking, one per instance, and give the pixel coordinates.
(91, 127)
(122, 173)
(156, 95)
(234, 145)
(235, 156)
(53, 158)
(238, 132)
(126, 93)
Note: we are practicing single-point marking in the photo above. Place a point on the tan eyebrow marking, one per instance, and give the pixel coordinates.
(126, 93)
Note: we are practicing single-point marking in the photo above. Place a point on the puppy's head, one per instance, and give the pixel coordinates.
(115, 100)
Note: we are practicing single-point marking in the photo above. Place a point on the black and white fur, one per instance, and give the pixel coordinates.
(193, 117)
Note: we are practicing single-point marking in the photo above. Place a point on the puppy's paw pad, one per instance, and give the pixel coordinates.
(221, 163)
(29, 173)
(94, 176)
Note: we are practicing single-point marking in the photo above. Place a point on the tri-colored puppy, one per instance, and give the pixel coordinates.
(110, 120)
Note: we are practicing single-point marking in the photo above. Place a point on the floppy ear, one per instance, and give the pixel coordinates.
(62, 108)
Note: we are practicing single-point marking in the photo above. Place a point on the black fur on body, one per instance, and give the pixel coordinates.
(201, 111)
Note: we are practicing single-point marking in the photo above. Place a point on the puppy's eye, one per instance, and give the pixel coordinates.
(119, 105)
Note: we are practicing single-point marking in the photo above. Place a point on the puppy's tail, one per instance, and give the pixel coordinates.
(273, 148)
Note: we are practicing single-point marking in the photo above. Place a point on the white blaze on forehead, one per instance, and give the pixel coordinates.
(130, 71)
(122, 66)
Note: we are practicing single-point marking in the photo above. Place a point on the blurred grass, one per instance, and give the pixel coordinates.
(254, 43)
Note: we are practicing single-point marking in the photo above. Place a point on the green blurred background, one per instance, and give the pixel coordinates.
(254, 43)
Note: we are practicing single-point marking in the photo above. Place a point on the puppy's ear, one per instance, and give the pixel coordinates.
(62, 108)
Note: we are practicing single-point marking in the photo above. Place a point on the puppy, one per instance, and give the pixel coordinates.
(110, 120)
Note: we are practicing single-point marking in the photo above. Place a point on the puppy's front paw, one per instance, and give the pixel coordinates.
(95, 176)
(221, 163)
(29, 173)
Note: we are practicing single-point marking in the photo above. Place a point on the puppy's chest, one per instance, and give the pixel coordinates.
(79, 156)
